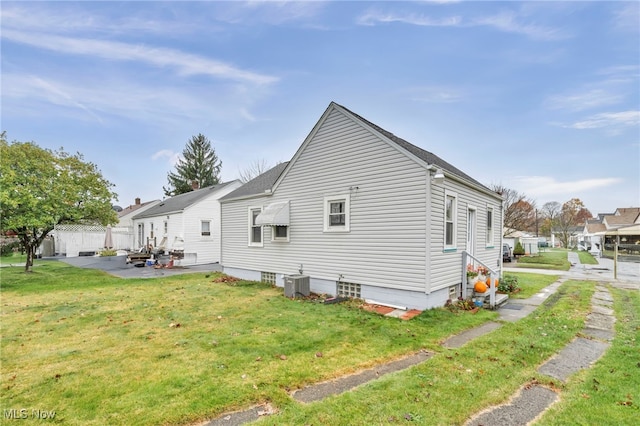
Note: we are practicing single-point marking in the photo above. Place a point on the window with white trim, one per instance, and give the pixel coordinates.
(336, 214)
(490, 226)
(166, 227)
(450, 212)
(255, 231)
(280, 233)
(205, 228)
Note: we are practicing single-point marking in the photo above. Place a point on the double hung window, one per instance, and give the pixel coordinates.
(336, 214)
(255, 231)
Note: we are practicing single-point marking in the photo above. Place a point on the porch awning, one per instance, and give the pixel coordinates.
(625, 230)
(275, 214)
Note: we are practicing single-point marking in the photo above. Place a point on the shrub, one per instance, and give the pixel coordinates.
(108, 252)
(508, 284)
(7, 248)
(518, 250)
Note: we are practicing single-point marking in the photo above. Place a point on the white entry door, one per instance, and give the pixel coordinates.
(471, 231)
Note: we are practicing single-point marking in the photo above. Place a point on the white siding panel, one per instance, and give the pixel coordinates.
(446, 267)
(386, 243)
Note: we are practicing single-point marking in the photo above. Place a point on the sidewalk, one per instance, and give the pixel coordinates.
(628, 273)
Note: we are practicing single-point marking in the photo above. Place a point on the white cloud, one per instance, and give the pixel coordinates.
(542, 186)
(608, 119)
(185, 63)
(508, 22)
(173, 157)
(27, 86)
(172, 106)
(373, 17)
(589, 99)
(627, 16)
(434, 94)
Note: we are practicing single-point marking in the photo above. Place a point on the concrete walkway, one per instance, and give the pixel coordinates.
(531, 401)
(627, 274)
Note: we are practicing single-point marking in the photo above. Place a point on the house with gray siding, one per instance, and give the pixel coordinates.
(189, 222)
(362, 213)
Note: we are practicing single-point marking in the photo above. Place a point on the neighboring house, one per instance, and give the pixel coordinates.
(125, 216)
(363, 213)
(620, 226)
(189, 222)
(592, 236)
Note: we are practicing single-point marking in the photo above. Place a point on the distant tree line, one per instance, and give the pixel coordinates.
(522, 214)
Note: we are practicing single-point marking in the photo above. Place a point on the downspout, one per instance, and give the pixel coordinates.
(427, 236)
(501, 256)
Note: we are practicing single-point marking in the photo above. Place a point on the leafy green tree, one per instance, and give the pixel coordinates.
(199, 163)
(40, 189)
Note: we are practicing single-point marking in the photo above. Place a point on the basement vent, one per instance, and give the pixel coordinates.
(268, 277)
(452, 293)
(348, 290)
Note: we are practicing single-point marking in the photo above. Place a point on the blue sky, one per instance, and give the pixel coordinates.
(541, 97)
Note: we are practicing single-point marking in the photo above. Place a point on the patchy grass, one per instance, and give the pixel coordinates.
(457, 383)
(586, 258)
(608, 393)
(177, 350)
(531, 284)
(552, 259)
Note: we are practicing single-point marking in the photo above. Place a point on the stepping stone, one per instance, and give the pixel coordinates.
(578, 354)
(462, 338)
(240, 417)
(598, 333)
(600, 321)
(601, 310)
(603, 295)
(333, 387)
(525, 407)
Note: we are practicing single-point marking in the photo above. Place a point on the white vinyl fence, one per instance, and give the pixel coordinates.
(73, 239)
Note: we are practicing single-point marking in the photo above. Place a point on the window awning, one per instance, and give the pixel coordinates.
(275, 214)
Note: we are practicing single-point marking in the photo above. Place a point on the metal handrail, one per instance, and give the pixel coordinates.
(492, 274)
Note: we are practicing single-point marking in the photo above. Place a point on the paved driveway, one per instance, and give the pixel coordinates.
(120, 268)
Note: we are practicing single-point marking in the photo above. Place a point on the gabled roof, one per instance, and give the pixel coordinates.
(133, 207)
(265, 182)
(258, 185)
(422, 154)
(623, 217)
(178, 203)
(593, 227)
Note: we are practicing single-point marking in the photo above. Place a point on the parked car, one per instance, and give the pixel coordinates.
(506, 253)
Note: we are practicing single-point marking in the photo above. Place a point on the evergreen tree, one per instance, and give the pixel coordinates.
(199, 163)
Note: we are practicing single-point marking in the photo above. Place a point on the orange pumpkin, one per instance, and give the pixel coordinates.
(480, 287)
(489, 283)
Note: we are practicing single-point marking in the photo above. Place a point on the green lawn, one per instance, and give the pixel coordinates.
(178, 350)
(531, 284)
(552, 259)
(102, 350)
(608, 393)
(586, 258)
